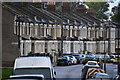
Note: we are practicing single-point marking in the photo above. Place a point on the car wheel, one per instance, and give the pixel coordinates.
(68, 64)
(57, 64)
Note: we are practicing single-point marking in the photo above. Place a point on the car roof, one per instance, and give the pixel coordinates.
(30, 62)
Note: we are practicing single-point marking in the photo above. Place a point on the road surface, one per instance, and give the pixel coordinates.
(74, 71)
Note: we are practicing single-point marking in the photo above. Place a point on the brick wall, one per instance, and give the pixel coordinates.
(9, 50)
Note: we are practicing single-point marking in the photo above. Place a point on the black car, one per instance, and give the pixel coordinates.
(78, 57)
(63, 61)
(88, 57)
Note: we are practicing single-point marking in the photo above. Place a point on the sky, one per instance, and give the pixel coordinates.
(114, 4)
(111, 5)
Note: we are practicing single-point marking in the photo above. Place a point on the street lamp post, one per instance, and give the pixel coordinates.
(109, 38)
(117, 40)
(105, 35)
(61, 54)
(95, 36)
(104, 49)
(19, 38)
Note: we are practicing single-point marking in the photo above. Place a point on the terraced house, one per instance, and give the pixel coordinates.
(56, 28)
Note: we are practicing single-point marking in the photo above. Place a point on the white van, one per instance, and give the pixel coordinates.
(34, 65)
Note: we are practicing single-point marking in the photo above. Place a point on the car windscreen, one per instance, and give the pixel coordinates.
(43, 71)
(91, 63)
(27, 78)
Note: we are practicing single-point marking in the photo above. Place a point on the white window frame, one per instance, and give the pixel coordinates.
(28, 29)
(15, 27)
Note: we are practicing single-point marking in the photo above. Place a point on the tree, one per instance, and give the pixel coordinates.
(116, 14)
(100, 9)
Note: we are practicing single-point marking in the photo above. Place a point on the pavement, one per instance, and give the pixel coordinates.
(111, 69)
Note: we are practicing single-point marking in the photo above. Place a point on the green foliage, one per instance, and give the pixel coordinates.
(30, 54)
(116, 12)
(33, 54)
(0, 73)
(6, 72)
(100, 9)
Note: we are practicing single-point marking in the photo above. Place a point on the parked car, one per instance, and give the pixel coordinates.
(35, 66)
(92, 63)
(63, 61)
(78, 57)
(98, 58)
(83, 55)
(105, 57)
(68, 58)
(108, 60)
(88, 57)
(73, 59)
(28, 77)
(112, 58)
(117, 60)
